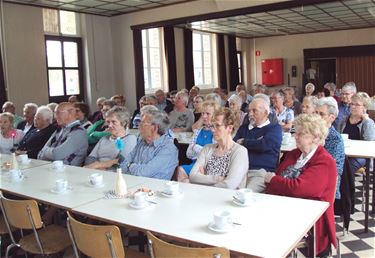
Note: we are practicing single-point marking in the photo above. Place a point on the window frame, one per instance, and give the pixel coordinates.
(63, 39)
(202, 51)
(149, 89)
(240, 67)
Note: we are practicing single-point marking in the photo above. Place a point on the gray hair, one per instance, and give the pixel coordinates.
(52, 106)
(121, 114)
(330, 86)
(312, 99)
(100, 100)
(146, 109)
(160, 119)
(310, 85)
(184, 96)
(331, 104)
(349, 86)
(32, 106)
(266, 101)
(46, 113)
(214, 97)
(362, 97)
(237, 99)
(280, 93)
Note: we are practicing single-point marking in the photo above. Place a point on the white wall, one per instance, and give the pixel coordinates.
(290, 48)
(25, 66)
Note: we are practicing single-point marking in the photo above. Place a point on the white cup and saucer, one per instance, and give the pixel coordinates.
(96, 180)
(243, 197)
(61, 186)
(140, 200)
(222, 222)
(58, 165)
(16, 175)
(171, 189)
(24, 159)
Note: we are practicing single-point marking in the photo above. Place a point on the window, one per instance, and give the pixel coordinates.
(203, 59)
(63, 55)
(153, 61)
(240, 69)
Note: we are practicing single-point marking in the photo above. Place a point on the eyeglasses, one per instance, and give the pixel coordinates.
(216, 126)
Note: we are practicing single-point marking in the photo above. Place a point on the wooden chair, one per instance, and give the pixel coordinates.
(98, 240)
(24, 214)
(160, 249)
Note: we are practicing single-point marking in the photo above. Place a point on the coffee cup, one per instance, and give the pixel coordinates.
(23, 158)
(61, 185)
(15, 174)
(140, 198)
(222, 219)
(172, 187)
(58, 164)
(345, 137)
(244, 194)
(96, 178)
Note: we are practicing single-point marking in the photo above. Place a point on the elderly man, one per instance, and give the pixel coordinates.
(194, 91)
(11, 108)
(29, 111)
(261, 138)
(36, 138)
(163, 103)
(155, 154)
(69, 142)
(347, 91)
(181, 118)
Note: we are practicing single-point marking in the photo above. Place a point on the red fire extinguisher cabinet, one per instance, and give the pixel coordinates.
(272, 71)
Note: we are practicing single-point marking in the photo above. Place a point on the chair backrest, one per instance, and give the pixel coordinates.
(19, 213)
(162, 249)
(95, 240)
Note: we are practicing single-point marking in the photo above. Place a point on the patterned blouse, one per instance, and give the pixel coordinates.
(218, 165)
(335, 146)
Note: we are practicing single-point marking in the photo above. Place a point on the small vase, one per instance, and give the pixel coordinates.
(120, 187)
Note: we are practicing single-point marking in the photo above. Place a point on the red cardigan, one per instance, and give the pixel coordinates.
(316, 182)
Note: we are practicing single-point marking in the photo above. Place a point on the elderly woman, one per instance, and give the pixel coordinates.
(284, 115)
(9, 137)
(332, 90)
(309, 104)
(181, 118)
(225, 163)
(309, 172)
(290, 100)
(108, 151)
(214, 97)
(309, 89)
(201, 137)
(334, 144)
(36, 138)
(197, 104)
(358, 125)
(235, 104)
(82, 114)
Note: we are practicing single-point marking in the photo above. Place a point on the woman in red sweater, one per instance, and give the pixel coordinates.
(309, 172)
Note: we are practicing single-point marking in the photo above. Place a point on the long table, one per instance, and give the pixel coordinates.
(354, 149)
(263, 231)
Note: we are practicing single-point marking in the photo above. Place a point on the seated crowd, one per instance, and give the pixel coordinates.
(235, 141)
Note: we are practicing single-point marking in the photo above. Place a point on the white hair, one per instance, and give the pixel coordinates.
(349, 86)
(331, 104)
(237, 99)
(214, 97)
(265, 100)
(32, 106)
(46, 113)
(184, 96)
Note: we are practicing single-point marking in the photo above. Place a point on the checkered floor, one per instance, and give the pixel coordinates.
(356, 243)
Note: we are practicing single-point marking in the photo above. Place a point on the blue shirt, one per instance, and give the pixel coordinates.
(344, 113)
(335, 146)
(157, 160)
(285, 116)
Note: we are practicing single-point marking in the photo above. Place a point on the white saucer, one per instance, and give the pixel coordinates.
(168, 195)
(242, 204)
(95, 186)
(137, 207)
(25, 162)
(54, 190)
(212, 227)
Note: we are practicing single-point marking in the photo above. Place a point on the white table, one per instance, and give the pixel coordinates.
(271, 227)
(31, 164)
(39, 182)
